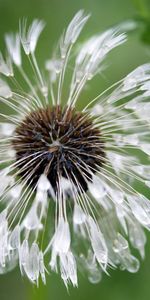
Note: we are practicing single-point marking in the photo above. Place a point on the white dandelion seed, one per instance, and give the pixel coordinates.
(71, 178)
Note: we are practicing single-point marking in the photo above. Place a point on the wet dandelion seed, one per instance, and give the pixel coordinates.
(70, 180)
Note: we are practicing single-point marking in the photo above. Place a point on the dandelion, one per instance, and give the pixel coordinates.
(71, 182)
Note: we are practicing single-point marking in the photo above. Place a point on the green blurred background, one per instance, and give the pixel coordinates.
(57, 13)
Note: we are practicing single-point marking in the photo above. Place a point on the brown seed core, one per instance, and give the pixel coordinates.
(58, 142)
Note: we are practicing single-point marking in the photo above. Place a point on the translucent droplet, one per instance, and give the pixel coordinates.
(137, 237)
(79, 216)
(43, 183)
(131, 263)
(14, 239)
(98, 243)
(32, 263)
(42, 267)
(120, 244)
(62, 237)
(95, 276)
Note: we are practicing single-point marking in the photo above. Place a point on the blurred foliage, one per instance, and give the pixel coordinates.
(145, 36)
(142, 7)
(143, 17)
(57, 13)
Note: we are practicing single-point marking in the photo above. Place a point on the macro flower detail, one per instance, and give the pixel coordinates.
(71, 180)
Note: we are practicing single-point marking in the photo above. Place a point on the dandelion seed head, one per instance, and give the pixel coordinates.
(70, 179)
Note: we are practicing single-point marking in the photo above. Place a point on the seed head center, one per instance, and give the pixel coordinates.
(58, 142)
